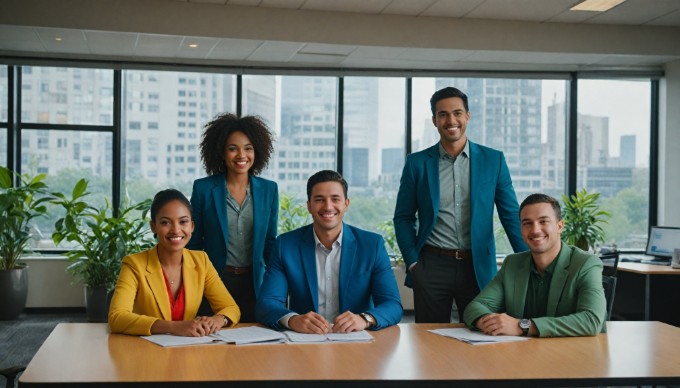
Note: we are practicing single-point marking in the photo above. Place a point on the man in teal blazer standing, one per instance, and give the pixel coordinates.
(553, 290)
(448, 192)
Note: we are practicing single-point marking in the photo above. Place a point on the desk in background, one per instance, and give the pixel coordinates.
(649, 292)
(631, 353)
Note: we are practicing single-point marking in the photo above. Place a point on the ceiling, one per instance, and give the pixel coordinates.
(399, 35)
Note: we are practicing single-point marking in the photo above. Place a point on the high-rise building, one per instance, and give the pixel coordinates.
(627, 151)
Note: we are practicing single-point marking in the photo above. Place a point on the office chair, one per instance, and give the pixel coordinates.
(610, 261)
(10, 375)
(609, 285)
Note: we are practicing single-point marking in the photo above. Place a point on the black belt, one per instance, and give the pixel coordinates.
(459, 254)
(238, 270)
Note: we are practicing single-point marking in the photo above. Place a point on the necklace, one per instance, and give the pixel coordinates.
(172, 279)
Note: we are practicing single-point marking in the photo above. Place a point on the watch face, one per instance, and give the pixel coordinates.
(525, 323)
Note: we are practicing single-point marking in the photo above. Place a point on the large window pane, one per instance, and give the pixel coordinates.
(3, 95)
(613, 154)
(163, 116)
(524, 118)
(61, 95)
(66, 157)
(373, 146)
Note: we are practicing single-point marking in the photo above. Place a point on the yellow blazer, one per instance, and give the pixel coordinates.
(141, 297)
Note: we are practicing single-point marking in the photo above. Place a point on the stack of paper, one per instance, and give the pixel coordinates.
(174, 340)
(249, 335)
(475, 337)
(357, 336)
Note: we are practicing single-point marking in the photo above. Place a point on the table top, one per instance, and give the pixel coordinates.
(648, 269)
(631, 353)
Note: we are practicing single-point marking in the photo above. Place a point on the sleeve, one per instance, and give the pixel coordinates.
(508, 207)
(384, 292)
(272, 229)
(217, 294)
(490, 300)
(405, 216)
(196, 242)
(121, 318)
(271, 303)
(591, 308)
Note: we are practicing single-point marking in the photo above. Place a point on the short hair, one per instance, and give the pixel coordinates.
(325, 176)
(447, 92)
(164, 196)
(221, 127)
(542, 198)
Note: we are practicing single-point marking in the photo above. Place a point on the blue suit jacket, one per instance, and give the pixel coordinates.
(490, 184)
(367, 283)
(209, 205)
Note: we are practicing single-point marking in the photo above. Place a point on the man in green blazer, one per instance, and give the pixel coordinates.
(553, 290)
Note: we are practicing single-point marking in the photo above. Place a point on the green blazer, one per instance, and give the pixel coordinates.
(576, 303)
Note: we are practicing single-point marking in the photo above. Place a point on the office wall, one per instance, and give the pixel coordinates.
(49, 285)
(669, 147)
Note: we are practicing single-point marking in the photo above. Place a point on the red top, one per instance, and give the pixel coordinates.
(176, 305)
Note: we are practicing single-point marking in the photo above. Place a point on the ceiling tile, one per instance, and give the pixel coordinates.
(670, 20)
(335, 49)
(450, 8)
(234, 49)
(271, 51)
(360, 6)
(294, 4)
(421, 54)
(527, 10)
(317, 58)
(111, 43)
(72, 41)
(377, 52)
(149, 45)
(205, 46)
(17, 38)
(636, 12)
(407, 7)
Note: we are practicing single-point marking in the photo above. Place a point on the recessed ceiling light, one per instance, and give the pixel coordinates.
(193, 45)
(596, 5)
(57, 39)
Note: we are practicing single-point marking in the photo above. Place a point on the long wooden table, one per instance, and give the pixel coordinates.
(631, 353)
(652, 290)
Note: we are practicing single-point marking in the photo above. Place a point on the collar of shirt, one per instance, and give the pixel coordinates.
(444, 155)
(548, 270)
(337, 242)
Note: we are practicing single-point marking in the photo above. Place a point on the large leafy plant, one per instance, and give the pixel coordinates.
(102, 238)
(583, 218)
(18, 206)
(387, 227)
(292, 215)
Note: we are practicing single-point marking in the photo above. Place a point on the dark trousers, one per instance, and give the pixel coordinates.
(437, 281)
(242, 289)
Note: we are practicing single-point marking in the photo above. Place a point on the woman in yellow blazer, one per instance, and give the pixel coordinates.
(159, 290)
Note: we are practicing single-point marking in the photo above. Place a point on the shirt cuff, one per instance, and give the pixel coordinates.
(284, 320)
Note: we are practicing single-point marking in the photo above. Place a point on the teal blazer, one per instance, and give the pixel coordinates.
(576, 303)
(211, 234)
(366, 285)
(490, 184)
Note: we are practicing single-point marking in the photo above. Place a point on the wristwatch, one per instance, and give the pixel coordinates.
(525, 324)
(226, 321)
(368, 318)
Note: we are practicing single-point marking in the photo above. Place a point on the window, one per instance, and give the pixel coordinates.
(613, 154)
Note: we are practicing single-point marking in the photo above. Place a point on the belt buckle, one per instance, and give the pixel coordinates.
(457, 255)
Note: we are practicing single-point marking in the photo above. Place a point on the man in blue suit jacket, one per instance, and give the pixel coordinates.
(332, 272)
(448, 192)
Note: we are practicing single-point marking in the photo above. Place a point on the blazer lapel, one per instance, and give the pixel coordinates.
(256, 191)
(219, 194)
(156, 282)
(432, 171)
(520, 287)
(559, 279)
(190, 284)
(348, 260)
(308, 255)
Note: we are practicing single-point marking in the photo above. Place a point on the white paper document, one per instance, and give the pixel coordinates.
(167, 340)
(475, 337)
(357, 336)
(249, 335)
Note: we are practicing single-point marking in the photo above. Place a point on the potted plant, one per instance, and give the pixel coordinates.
(583, 218)
(102, 240)
(398, 265)
(18, 206)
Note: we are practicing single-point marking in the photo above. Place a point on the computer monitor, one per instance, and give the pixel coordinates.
(662, 241)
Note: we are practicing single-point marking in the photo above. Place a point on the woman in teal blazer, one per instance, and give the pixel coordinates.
(236, 212)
